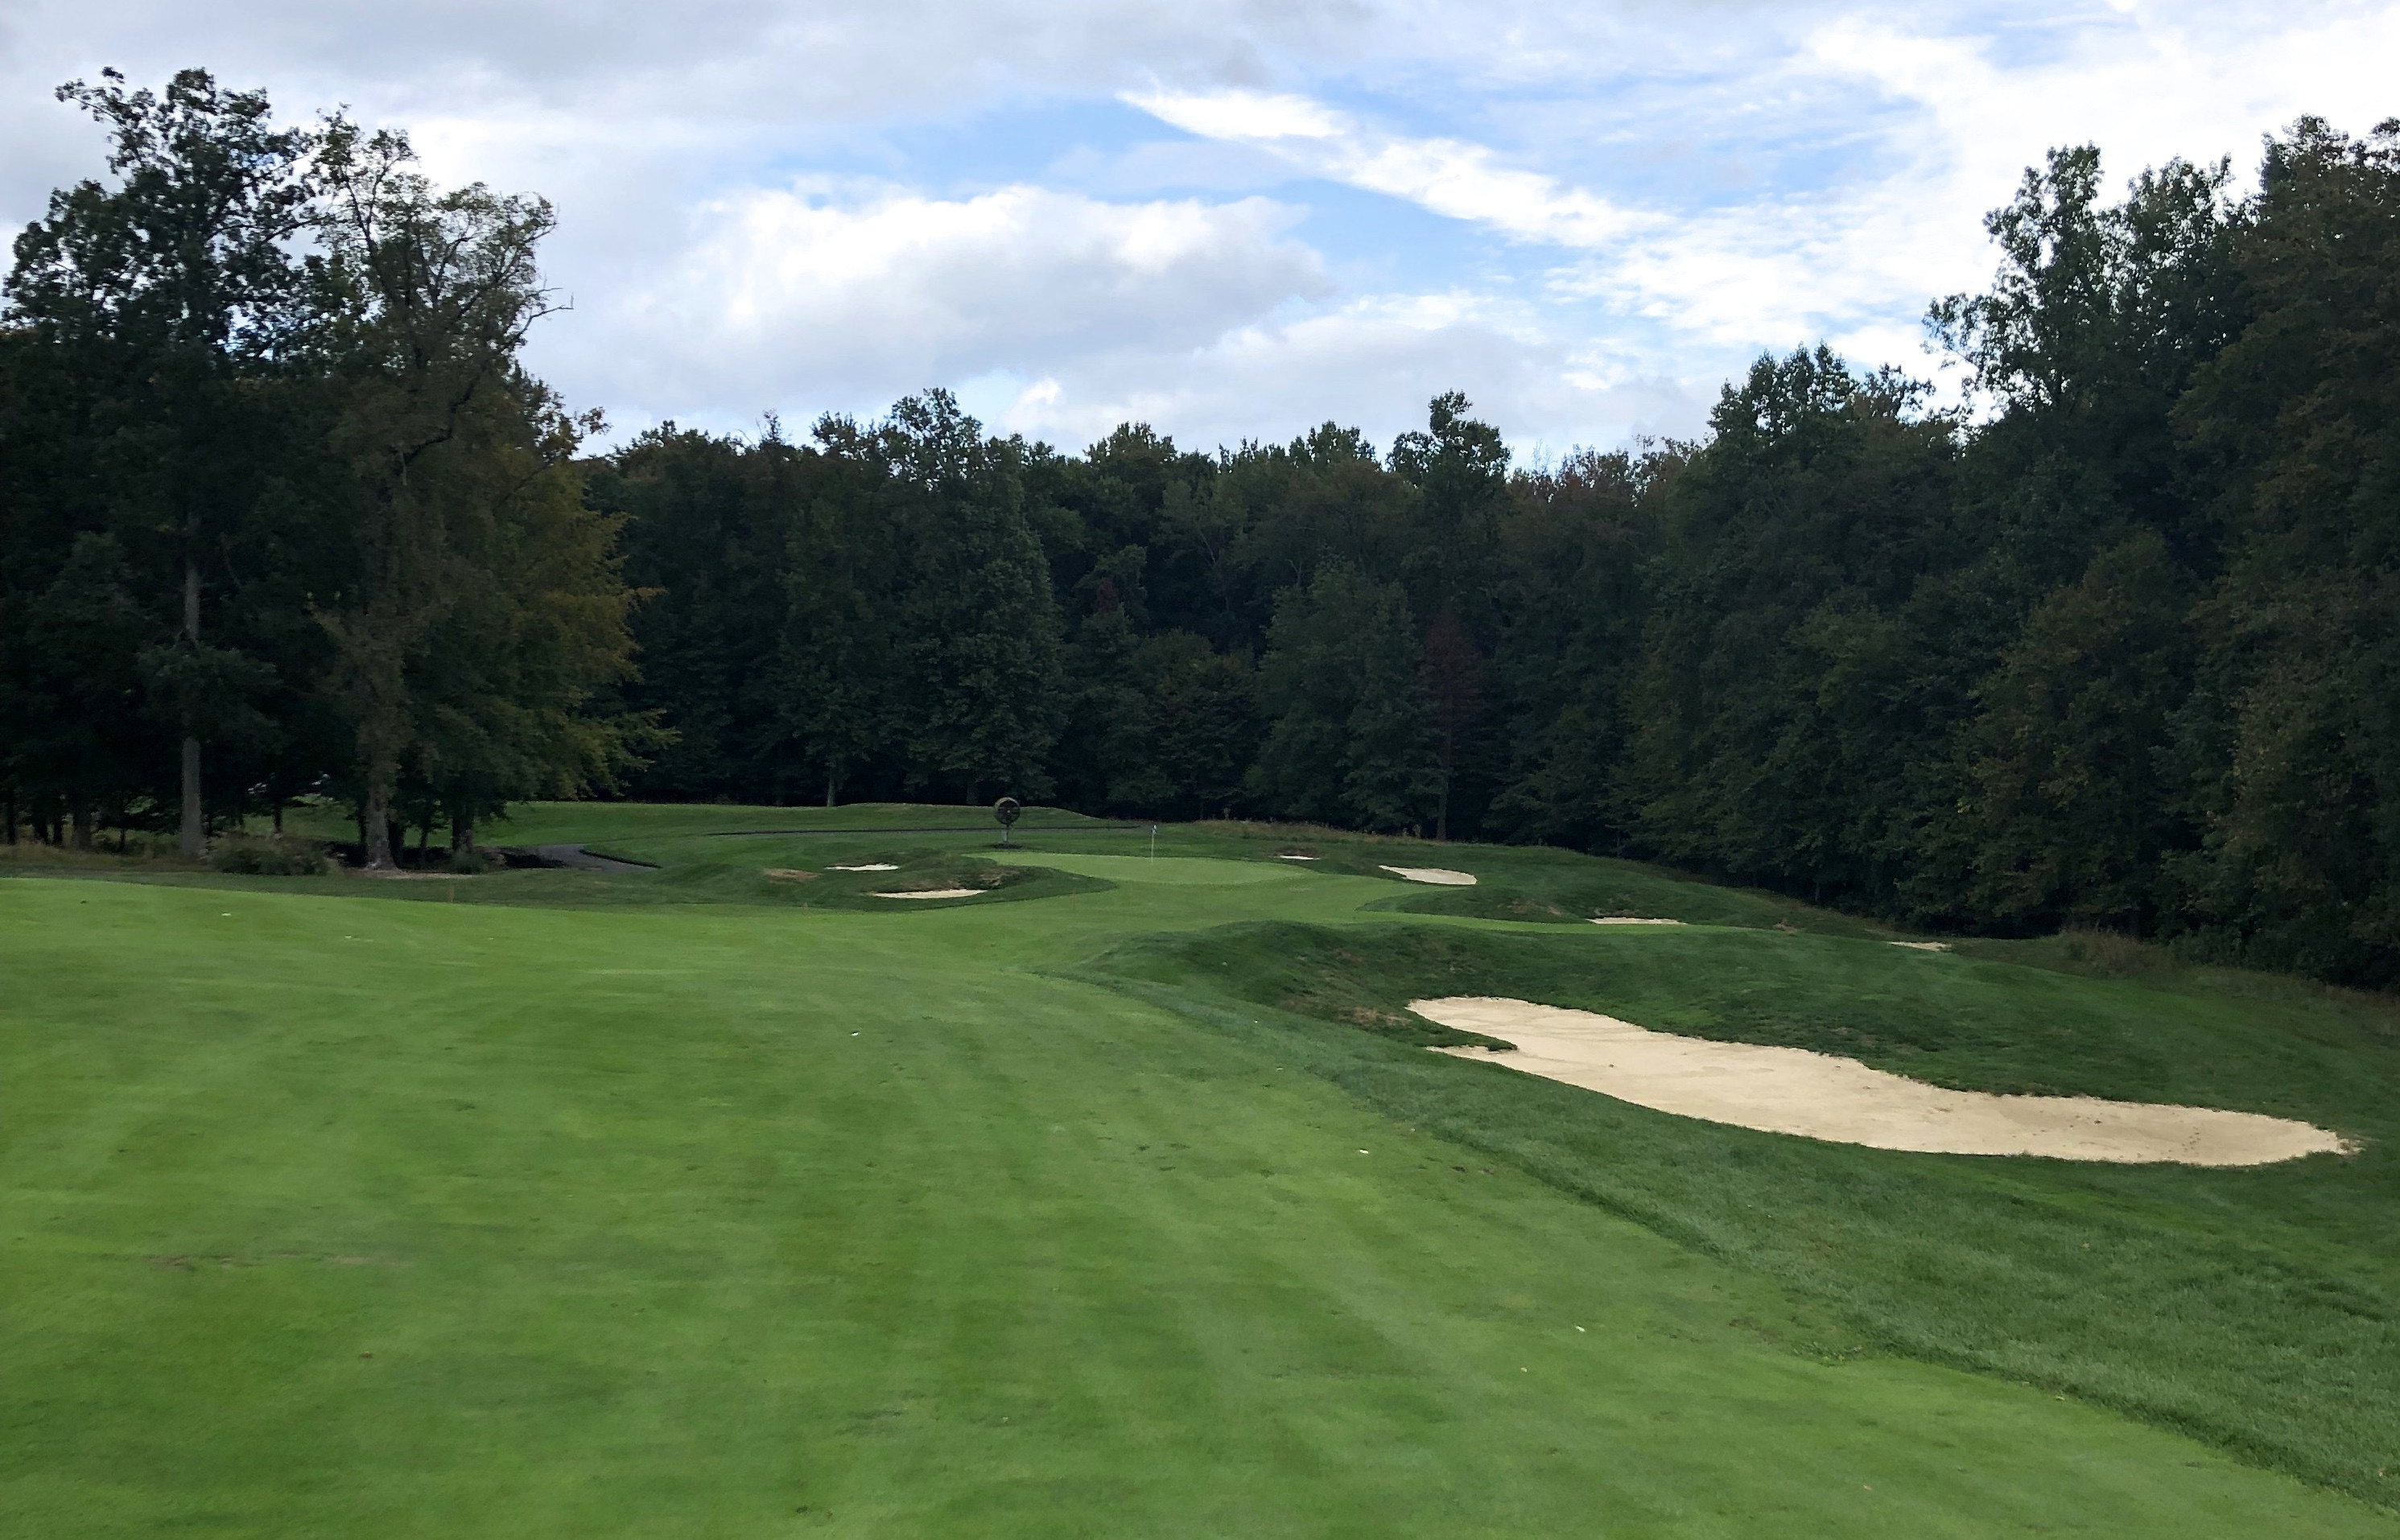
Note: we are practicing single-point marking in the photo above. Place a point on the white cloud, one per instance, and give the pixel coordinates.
(1948, 122)
(1858, 260)
(854, 299)
(1449, 177)
(1374, 364)
(766, 203)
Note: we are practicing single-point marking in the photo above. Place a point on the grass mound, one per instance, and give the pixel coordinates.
(2255, 1308)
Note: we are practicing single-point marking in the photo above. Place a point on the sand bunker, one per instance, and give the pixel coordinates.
(1627, 919)
(1923, 946)
(870, 866)
(1280, 857)
(1818, 1096)
(935, 892)
(788, 874)
(1441, 876)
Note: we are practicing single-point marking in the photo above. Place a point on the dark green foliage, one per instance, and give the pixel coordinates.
(161, 314)
(978, 635)
(2066, 798)
(1351, 738)
(1780, 709)
(2294, 735)
(2112, 645)
(277, 501)
(1573, 551)
(270, 858)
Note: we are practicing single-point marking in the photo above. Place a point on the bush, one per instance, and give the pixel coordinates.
(469, 863)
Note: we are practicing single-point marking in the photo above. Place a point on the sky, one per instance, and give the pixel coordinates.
(1229, 219)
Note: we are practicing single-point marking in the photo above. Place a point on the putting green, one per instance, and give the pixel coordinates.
(400, 1215)
(1176, 871)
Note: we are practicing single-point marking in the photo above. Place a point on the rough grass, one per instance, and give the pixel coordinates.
(142, 851)
(2255, 1309)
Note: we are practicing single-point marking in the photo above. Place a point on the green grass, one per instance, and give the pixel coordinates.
(2256, 1308)
(695, 1201)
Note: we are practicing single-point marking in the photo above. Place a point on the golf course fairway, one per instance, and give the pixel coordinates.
(1123, 1199)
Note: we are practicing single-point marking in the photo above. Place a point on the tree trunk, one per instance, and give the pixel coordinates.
(830, 783)
(193, 835)
(1442, 810)
(9, 809)
(374, 818)
(279, 818)
(82, 825)
(463, 828)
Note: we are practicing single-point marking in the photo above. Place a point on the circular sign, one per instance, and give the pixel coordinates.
(1006, 810)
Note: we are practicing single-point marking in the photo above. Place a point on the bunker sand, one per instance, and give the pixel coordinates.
(1819, 1096)
(1439, 875)
(937, 892)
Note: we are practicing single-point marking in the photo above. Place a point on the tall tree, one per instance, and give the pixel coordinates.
(709, 529)
(2294, 737)
(1575, 543)
(81, 637)
(426, 298)
(842, 642)
(2065, 794)
(1350, 737)
(1775, 719)
(980, 644)
(1459, 468)
(507, 701)
(2092, 328)
(1451, 676)
(166, 290)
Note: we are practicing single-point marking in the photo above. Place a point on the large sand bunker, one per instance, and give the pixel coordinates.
(935, 892)
(1439, 875)
(1818, 1096)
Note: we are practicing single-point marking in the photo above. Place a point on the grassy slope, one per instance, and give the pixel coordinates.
(641, 1239)
(2256, 1308)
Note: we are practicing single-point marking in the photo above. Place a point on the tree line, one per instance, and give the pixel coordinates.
(280, 510)
(2113, 644)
